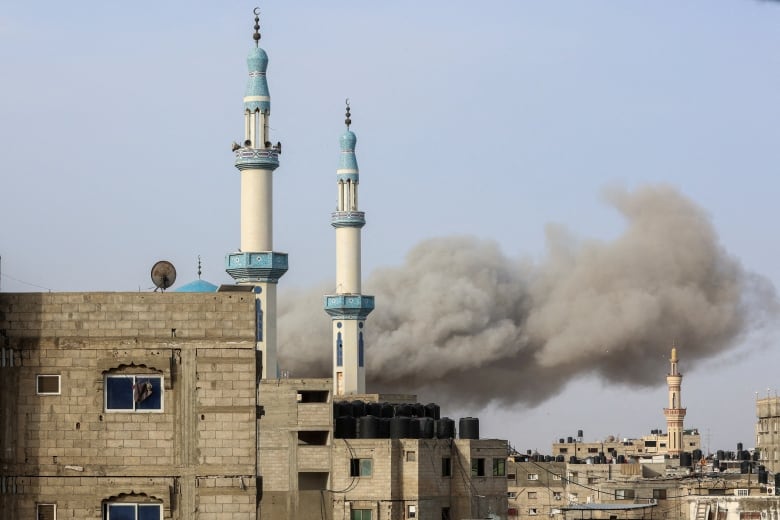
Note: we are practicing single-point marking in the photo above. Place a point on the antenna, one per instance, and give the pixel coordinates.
(163, 275)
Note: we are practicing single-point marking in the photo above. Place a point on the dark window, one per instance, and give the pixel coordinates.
(360, 467)
(339, 351)
(446, 467)
(312, 396)
(593, 450)
(134, 393)
(650, 444)
(499, 467)
(47, 511)
(360, 514)
(478, 467)
(360, 349)
(313, 438)
(125, 511)
(47, 384)
(445, 513)
(659, 494)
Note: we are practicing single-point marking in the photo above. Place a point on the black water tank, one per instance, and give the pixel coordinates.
(414, 428)
(569, 439)
(756, 456)
(426, 427)
(399, 427)
(745, 455)
(720, 455)
(560, 441)
(342, 408)
(621, 459)
(744, 467)
(777, 483)
(549, 458)
(358, 408)
(573, 460)
(468, 428)
(579, 433)
(346, 427)
(403, 410)
(374, 409)
(433, 411)
(686, 459)
(384, 427)
(388, 410)
(418, 410)
(739, 446)
(696, 455)
(445, 428)
(722, 467)
(763, 476)
(560, 458)
(368, 427)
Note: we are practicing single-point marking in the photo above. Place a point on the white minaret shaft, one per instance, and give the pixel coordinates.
(257, 264)
(675, 413)
(348, 308)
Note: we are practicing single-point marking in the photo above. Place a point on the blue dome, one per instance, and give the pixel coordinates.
(197, 286)
(257, 60)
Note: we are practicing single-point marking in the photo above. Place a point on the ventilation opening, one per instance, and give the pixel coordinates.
(316, 438)
(312, 481)
(312, 396)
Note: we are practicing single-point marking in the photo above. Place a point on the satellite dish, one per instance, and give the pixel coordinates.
(163, 275)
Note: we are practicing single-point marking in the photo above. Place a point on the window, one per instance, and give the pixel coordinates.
(624, 494)
(556, 495)
(592, 480)
(574, 498)
(360, 468)
(360, 514)
(411, 456)
(445, 513)
(531, 511)
(750, 515)
(411, 511)
(46, 511)
(556, 476)
(511, 476)
(663, 445)
(533, 476)
(339, 351)
(532, 495)
(499, 467)
(563, 450)
(478, 467)
(127, 511)
(742, 492)
(446, 467)
(47, 384)
(593, 450)
(659, 494)
(511, 494)
(134, 393)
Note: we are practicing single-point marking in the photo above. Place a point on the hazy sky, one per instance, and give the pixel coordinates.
(491, 119)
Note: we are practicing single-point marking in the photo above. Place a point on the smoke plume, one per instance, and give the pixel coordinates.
(461, 322)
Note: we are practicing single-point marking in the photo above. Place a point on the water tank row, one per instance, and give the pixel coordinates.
(387, 410)
(402, 427)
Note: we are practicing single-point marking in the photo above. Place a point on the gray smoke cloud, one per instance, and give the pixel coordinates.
(460, 322)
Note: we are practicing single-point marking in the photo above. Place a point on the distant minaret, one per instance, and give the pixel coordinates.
(348, 308)
(256, 263)
(675, 414)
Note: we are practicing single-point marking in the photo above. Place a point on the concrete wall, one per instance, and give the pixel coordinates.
(196, 456)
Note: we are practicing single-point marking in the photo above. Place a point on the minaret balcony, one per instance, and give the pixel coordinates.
(265, 266)
(349, 306)
(675, 412)
(257, 159)
(348, 219)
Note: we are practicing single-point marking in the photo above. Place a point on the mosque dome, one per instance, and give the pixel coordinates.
(257, 61)
(197, 286)
(348, 141)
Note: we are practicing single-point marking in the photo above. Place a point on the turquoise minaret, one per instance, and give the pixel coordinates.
(348, 308)
(256, 263)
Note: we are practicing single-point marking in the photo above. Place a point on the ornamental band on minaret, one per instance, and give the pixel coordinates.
(675, 413)
(256, 263)
(348, 308)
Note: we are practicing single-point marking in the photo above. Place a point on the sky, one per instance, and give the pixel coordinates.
(494, 120)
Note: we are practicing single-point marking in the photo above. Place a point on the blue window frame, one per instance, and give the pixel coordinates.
(127, 511)
(133, 393)
(339, 351)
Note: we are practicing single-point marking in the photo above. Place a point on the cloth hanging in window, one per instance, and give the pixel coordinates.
(142, 390)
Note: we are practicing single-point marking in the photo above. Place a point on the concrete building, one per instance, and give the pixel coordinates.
(166, 405)
(768, 432)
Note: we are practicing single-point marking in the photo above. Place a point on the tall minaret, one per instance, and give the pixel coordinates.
(348, 308)
(256, 263)
(675, 414)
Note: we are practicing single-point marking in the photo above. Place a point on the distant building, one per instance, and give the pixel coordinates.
(768, 432)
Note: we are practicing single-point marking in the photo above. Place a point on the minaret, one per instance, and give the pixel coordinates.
(348, 308)
(675, 414)
(256, 263)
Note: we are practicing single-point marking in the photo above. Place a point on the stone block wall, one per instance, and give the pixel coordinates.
(70, 450)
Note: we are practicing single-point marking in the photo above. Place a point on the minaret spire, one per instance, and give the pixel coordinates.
(348, 308)
(675, 413)
(256, 263)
